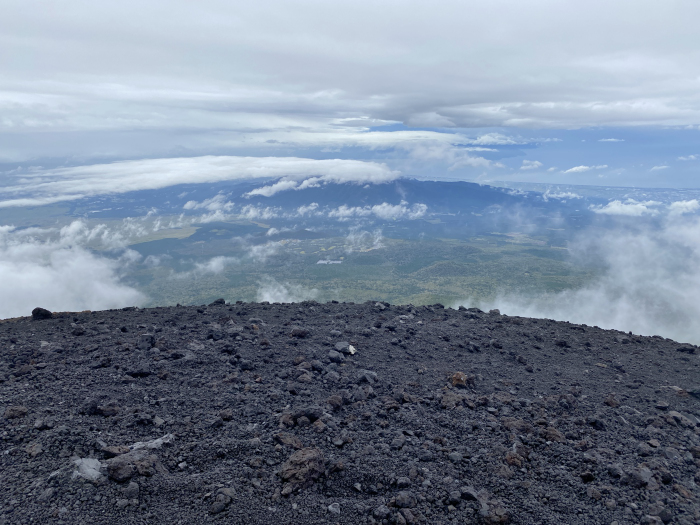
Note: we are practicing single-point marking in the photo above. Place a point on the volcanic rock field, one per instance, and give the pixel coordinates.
(343, 413)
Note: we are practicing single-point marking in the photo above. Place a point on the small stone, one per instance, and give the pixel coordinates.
(587, 477)
(403, 482)
(132, 490)
(121, 470)
(284, 438)
(335, 357)
(459, 380)
(335, 402)
(454, 497)
(111, 452)
(34, 449)
(88, 468)
(219, 504)
(302, 469)
(15, 411)
(366, 376)
(643, 449)
(661, 405)
(405, 500)
(640, 477)
(611, 401)
(594, 493)
(47, 494)
(382, 512)
(455, 457)
(334, 508)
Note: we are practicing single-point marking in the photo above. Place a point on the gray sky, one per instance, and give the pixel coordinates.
(552, 91)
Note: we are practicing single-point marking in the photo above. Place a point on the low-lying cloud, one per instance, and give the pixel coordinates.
(272, 291)
(45, 186)
(60, 273)
(384, 211)
(649, 284)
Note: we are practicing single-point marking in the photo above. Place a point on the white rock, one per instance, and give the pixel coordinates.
(88, 468)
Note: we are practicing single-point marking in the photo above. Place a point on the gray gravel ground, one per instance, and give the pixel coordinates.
(343, 413)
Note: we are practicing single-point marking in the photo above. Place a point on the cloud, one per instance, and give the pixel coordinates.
(383, 211)
(611, 140)
(275, 292)
(262, 252)
(630, 208)
(39, 187)
(252, 212)
(362, 240)
(216, 203)
(531, 165)
(562, 195)
(307, 209)
(690, 157)
(60, 273)
(650, 283)
(683, 207)
(106, 85)
(581, 169)
(658, 168)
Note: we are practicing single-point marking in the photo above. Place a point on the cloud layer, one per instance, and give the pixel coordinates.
(97, 80)
(39, 187)
(650, 283)
(60, 273)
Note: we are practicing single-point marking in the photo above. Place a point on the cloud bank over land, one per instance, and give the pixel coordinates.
(272, 291)
(64, 184)
(649, 283)
(60, 273)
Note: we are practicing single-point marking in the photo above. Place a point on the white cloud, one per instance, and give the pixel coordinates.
(106, 84)
(611, 140)
(683, 207)
(269, 191)
(384, 211)
(307, 209)
(59, 273)
(658, 168)
(690, 157)
(362, 240)
(581, 169)
(650, 284)
(216, 203)
(252, 212)
(562, 195)
(62, 184)
(275, 292)
(262, 252)
(496, 139)
(630, 208)
(531, 165)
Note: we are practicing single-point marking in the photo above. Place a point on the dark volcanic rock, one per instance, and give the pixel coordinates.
(41, 313)
(343, 413)
(303, 468)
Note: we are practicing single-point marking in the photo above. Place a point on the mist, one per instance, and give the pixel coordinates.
(648, 283)
(60, 273)
(272, 291)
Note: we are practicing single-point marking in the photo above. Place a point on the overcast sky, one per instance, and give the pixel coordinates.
(604, 93)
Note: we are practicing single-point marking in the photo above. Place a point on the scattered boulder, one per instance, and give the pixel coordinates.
(41, 313)
(15, 411)
(302, 469)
